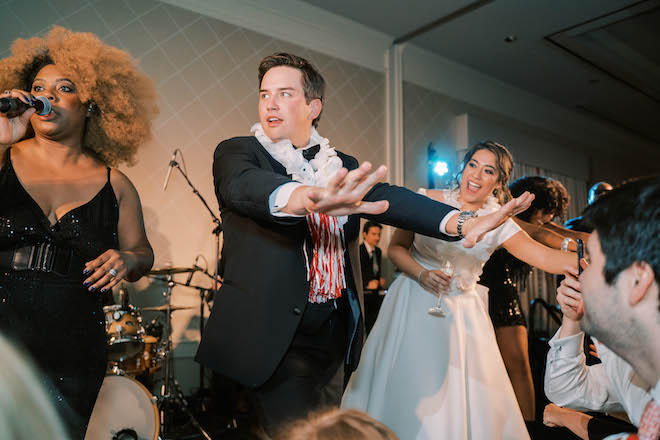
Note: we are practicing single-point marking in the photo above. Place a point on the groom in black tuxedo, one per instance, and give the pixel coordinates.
(288, 316)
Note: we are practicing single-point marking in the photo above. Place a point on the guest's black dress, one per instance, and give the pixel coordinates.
(505, 275)
(52, 316)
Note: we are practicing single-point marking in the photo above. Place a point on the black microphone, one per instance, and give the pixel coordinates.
(169, 170)
(16, 106)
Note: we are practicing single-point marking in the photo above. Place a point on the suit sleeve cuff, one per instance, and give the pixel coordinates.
(568, 347)
(445, 220)
(279, 198)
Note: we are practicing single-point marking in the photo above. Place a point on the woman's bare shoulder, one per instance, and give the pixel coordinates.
(436, 194)
(122, 185)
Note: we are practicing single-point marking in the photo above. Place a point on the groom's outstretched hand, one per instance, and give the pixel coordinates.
(475, 228)
(342, 196)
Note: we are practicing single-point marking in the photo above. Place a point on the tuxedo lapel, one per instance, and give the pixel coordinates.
(275, 165)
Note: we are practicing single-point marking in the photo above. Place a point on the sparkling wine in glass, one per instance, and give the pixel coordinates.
(440, 309)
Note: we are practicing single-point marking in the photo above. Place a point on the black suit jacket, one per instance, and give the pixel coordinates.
(367, 266)
(265, 288)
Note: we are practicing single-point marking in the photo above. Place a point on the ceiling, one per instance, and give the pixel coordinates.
(599, 57)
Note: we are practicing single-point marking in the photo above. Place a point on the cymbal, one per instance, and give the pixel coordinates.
(163, 308)
(172, 270)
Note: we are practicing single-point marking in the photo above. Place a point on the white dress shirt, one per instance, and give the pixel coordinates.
(372, 257)
(655, 393)
(607, 387)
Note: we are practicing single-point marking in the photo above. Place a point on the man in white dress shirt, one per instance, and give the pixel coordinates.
(616, 299)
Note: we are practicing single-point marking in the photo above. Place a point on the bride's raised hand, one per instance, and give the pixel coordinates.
(12, 129)
(435, 281)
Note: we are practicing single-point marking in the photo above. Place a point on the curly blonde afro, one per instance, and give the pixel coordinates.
(106, 77)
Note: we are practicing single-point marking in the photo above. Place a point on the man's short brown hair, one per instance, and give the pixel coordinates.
(312, 81)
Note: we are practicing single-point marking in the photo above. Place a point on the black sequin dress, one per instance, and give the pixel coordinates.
(54, 318)
(505, 275)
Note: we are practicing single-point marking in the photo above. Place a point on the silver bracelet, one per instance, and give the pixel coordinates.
(564, 244)
(419, 275)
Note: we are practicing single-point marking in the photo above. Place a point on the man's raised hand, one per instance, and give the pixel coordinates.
(345, 191)
(569, 295)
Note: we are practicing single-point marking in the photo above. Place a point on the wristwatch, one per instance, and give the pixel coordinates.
(464, 215)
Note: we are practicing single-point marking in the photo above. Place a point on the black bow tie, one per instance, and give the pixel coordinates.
(310, 152)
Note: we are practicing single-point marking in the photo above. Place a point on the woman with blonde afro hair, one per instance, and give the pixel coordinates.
(71, 227)
(121, 97)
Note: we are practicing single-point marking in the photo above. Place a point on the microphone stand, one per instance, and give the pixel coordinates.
(217, 230)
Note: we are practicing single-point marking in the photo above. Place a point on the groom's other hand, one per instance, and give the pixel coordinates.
(342, 196)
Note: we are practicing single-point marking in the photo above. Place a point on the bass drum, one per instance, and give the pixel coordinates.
(123, 405)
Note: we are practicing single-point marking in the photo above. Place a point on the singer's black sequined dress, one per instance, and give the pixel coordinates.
(55, 319)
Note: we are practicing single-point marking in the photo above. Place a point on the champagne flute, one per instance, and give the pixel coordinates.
(440, 309)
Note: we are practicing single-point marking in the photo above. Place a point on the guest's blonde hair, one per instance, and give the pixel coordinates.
(338, 424)
(26, 412)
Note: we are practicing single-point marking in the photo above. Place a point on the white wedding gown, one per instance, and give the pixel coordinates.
(440, 378)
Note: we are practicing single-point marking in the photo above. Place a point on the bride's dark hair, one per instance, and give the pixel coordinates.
(503, 161)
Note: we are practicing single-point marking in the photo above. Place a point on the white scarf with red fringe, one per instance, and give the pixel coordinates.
(325, 272)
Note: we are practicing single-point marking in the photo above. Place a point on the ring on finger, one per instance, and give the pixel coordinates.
(112, 273)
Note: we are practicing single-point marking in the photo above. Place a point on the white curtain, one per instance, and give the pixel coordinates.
(541, 284)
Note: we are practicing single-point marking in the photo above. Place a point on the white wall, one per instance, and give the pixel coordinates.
(317, 29)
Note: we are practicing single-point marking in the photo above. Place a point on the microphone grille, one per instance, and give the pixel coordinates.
(46, 107)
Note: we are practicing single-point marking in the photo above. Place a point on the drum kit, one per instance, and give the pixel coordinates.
(125, 408)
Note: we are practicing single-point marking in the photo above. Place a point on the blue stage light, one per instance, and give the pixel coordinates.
(441, 168)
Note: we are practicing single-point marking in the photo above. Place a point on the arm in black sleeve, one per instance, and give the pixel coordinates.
(601, 426)
(244, 181)
(408, 210)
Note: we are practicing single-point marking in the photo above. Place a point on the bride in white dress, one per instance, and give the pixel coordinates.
(442, 377)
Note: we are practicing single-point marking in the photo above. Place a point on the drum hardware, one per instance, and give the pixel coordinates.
(173, 270)
(154, 328)
(172, 397)
(165, 308)
(147, 362)
(217, 230)
(126, 434)
(123, 297)
(124, 330)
